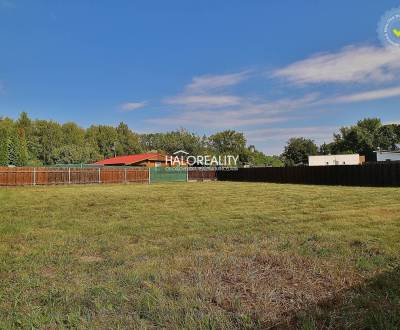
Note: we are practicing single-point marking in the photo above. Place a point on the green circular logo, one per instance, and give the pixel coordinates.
(389, 28)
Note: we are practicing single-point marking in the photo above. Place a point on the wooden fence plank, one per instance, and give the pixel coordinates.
(20, 176)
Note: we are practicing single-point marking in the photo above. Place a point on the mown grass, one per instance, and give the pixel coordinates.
(212, 255)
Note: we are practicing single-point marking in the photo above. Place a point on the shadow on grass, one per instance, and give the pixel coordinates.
(373, 305)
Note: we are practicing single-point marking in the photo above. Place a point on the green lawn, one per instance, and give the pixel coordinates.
(214, 255)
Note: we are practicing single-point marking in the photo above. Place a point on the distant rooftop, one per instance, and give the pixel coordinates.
(131, 159)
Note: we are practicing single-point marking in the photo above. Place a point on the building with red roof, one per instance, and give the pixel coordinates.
(152, 159)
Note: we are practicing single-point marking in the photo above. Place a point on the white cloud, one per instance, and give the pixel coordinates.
(351, 64)
(368, 95)
(233, 111)
(204, 101)
(214, 120)
(207, 83)
(204, 92)
(280, 106)
(130, 106)
(317, 133)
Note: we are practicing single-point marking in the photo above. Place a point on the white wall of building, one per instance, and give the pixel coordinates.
(383, 156)
(330, 160)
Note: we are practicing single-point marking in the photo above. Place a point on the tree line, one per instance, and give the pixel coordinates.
(45, 142)
(365, 137)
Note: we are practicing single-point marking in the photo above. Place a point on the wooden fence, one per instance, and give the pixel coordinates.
(201, 174)
(19, 176)
(23, 176)
(374, 174)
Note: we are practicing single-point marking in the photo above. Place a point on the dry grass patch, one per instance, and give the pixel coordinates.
(90, 259)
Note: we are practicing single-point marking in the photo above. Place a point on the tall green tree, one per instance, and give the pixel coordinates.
(128, 142)
(258, 158)
(4, 145)
(24, 122)
(170, 142)
(365, 137)
(104, 137)
(297, 151)
(75, 154)
(23, 148)
(229, 142)
(46, 136)
(73, 134)
(14, 148)
(325, 149)
(387, 137)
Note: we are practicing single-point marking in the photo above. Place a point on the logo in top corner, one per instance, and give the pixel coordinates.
(389, 28)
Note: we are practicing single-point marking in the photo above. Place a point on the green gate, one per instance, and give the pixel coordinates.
(168, 174)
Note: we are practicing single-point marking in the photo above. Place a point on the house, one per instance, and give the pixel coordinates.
(152, 159)
(387, 156)
(331, 160)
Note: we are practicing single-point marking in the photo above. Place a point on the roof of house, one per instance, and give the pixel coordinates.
(130, 159)
(323, 156)
(387, 151)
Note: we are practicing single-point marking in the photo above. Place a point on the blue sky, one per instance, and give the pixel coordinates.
(271, 69)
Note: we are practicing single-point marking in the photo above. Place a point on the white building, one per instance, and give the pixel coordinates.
(386, 156)
(331, 160)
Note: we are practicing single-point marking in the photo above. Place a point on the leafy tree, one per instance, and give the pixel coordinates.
(397, 131)
(4, 145)
(45, 137)
(325, 149)
(73, 134)
(370, 125)
(128, 142)
(104, 137)
(297, 151)
(75, 154)
(14, 148)
(229, 142)
(365, 137)
(258, 158)
(387, 137)
(170, 142)
(24, 122)
(23, 148)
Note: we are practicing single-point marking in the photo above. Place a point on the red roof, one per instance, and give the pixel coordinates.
(130, 159)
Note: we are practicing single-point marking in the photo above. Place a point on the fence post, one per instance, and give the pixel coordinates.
(187, 174)
(99, 176)
(69, 175)
(125, 175)
(34, 176)
(149, 174)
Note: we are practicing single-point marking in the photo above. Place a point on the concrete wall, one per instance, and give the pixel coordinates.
(330, 160)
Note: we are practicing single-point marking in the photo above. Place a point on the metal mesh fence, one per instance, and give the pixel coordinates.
(168, 174)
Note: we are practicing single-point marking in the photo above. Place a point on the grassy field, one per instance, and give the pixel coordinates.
(212, 255)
